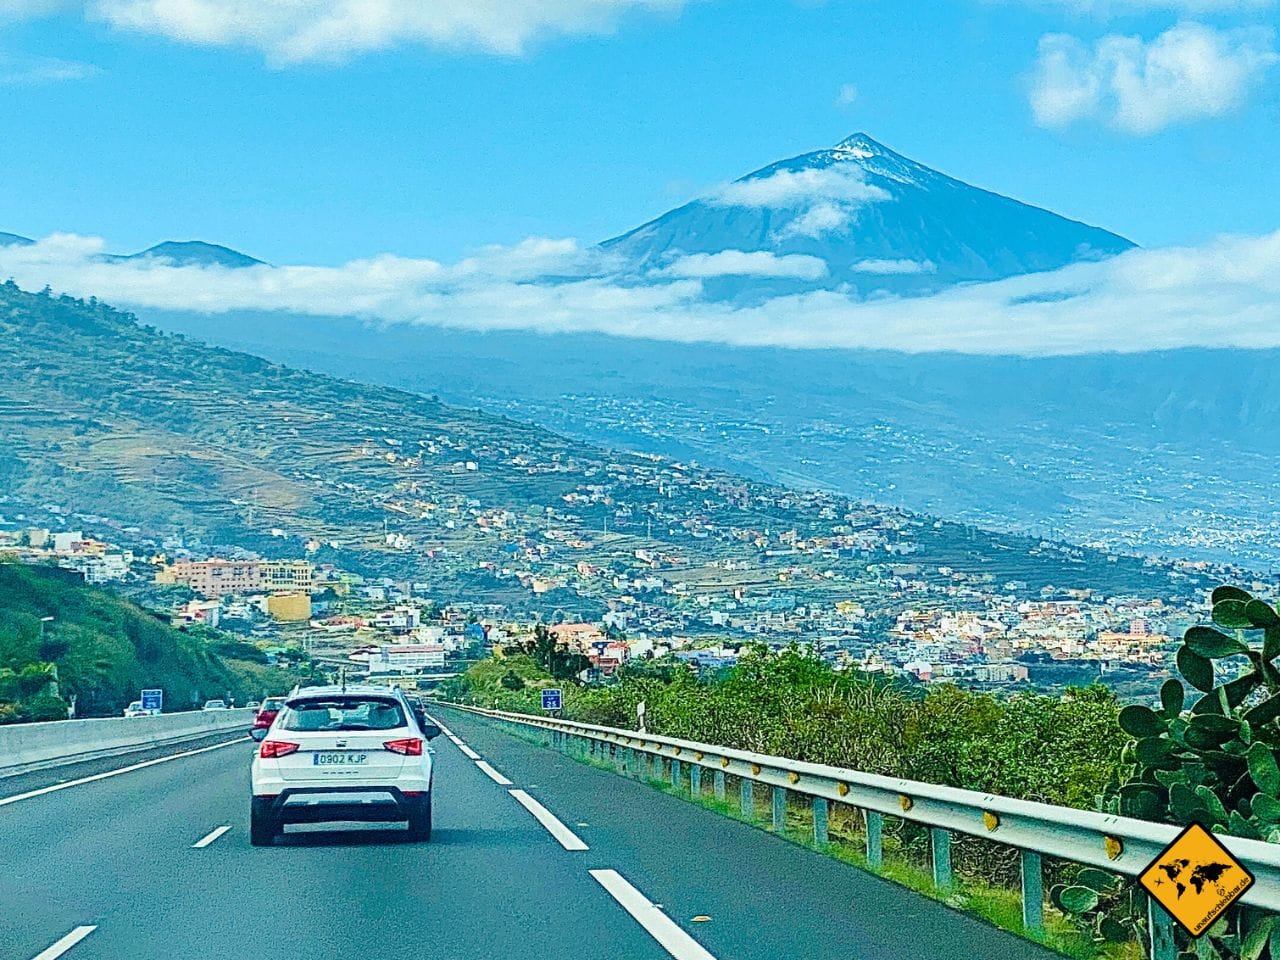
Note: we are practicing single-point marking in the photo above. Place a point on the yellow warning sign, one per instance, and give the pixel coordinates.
(1195, 879)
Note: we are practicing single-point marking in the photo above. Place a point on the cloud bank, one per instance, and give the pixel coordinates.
(1189, 72)
(298, 31)
(1226, 293)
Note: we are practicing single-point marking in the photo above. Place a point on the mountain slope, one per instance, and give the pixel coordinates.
(879, 221)
(100, 415)
(195, 253)
(14, 240)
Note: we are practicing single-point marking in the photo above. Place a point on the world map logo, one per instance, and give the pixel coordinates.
(1195, 878)
(1201, 874)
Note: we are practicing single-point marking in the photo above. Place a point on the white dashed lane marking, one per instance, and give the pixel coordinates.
(568, 839)
(66, 943)
(209, 838)
(657, 924)
(493, 774)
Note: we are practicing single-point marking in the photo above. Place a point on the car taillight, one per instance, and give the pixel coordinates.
(410, 746)
(274, 749)
(260, 721)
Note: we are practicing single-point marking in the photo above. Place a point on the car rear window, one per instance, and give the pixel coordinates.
(272, 703)
(342, 713)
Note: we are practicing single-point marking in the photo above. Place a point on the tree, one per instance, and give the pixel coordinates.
(553, 656)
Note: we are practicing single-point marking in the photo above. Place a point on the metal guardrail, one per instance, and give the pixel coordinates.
(1118, 844)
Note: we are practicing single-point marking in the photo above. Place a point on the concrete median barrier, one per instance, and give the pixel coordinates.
(34, 746)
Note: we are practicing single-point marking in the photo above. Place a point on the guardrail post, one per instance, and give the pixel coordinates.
(779, 809)
(1032, 892)
(875, 839)
(941, 857)
(676, 779)
(820, 821)
(747, 800)
(719, 784)
(695, 780)
(1160, 931)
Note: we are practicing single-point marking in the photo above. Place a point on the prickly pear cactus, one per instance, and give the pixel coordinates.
(1214, 762)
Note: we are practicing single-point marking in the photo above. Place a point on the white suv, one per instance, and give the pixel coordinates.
(340, 754)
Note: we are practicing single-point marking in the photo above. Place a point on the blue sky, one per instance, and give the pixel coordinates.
(124, 120)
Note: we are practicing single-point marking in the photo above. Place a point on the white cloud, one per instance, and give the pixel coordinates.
(847, 95)
(295, 31)
(825, 198)
(888, 267)
(17, 71)
(794, 188)
(817, 221)
(739, 263)
(1118, 7)
(1189, 72)
(1224, 294)
(24, 9)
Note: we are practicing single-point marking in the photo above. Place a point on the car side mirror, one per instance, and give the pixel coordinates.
(430, 730)
(258, 733)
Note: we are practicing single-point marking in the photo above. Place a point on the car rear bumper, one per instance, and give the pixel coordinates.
(337, 803)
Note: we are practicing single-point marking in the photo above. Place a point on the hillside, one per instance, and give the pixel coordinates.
(878, 220)
(109, 418)
(195, 253)
(105, 650)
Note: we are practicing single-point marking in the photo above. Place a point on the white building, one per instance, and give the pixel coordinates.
(67, 542)
(403, 658)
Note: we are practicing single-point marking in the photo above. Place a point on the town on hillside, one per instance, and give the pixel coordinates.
(940, 625)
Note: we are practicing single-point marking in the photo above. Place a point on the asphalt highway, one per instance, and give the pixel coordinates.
(534, 855)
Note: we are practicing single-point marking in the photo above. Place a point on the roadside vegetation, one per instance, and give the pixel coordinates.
(1208, 754)
(61, 639)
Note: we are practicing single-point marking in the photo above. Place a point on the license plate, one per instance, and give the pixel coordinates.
(338, 759)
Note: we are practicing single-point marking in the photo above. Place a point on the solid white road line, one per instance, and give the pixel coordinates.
(5, 801)
(65, 944)
(493, 774)
(656, 923)
(467, 751)
(212, 836)
(568, 839)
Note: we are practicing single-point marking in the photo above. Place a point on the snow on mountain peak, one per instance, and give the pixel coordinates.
(857, 147)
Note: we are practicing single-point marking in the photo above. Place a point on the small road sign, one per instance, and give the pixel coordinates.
(153, 700)
(1195, 879)
(552, 699)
